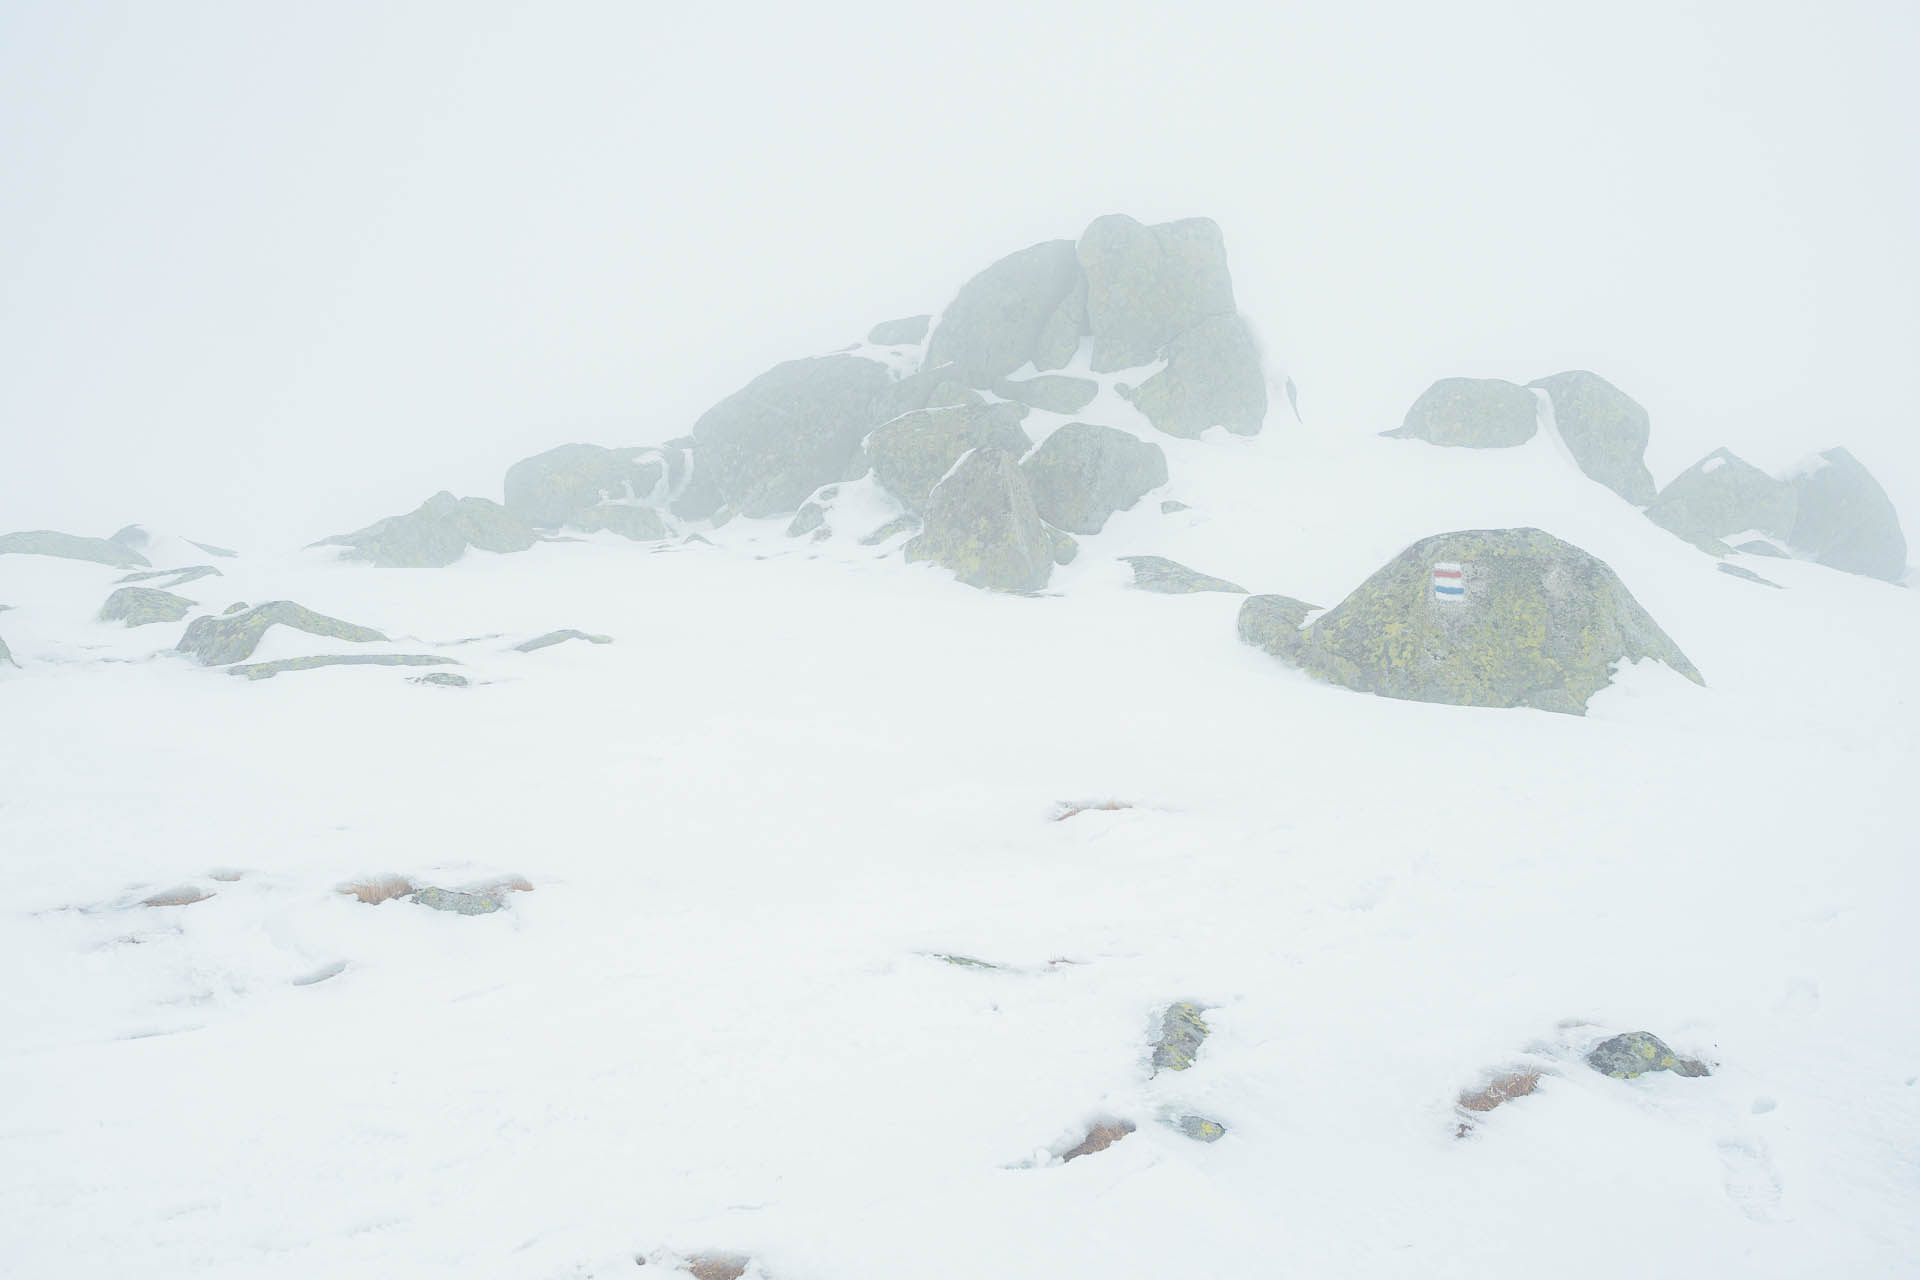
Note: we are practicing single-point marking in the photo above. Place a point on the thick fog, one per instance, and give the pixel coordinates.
(274, 271)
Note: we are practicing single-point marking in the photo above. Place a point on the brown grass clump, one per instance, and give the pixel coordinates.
(717, 1266)
(1503, 1088)
(502, 884)
(1102, 1135)
(1068, 808)
(374, 890)
(181, 895)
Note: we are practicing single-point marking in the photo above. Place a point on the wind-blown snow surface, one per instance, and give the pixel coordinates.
(804, 769)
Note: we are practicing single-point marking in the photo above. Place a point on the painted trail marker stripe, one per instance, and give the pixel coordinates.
(1448, 583)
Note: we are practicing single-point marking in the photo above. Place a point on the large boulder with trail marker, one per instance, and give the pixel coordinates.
(435, 534)
(910, 454)
(1472, 413)
(1484, 618)
(1720, 496)
(1844, 519)
(549, 489)
(982, 525)
(1605, 429)
(791, 430)
(1083, 473)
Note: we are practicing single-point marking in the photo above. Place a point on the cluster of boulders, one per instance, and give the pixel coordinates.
(1831, 510)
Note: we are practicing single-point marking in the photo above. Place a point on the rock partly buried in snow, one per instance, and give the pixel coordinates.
(268, 670)
(1637, 1052)
(1201, 1129)
(1182, 1030)
(1486, 618)
(982, 525)
(1761, 547)
(1083, 473)
(458, 901)
(46, 542)
(912, 452)
(1844, 519)
(628, 519)
(444, 679)
(908, 331)
(179, 577)
(1273, 623)
(1147, 285)
(1606, 430)
(233, 636)
(549, 489)
(1212, 379)
(137, 606)
(1745, 574)
(6, 655)
(1171, 578)
(1722, 495)
(995, 323)
(1053, 392)
(1474, 413)
(558, 637)
(435, 534)
(789, 431)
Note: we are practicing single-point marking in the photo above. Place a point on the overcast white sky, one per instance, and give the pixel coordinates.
(272, 271)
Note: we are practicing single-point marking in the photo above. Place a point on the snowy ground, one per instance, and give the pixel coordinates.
(802, 771)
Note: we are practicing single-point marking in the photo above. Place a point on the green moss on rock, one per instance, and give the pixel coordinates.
(911, 453)
(1182, 1030)
(1273, 623)
(982, 525)
(138, 606)
(1635, 1053)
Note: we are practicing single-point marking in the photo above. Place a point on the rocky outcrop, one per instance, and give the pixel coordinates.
(982, 525)
(789, 431)
(1487, 618)
(1273, 623)
(1053, 392)
(996, 322)
(1722, 495)
(234, 636)
(549, 489)
(1605, 429)
(1212, 379)
(908, 331)
(1083, 473)
(138, 606)
(1844, 519)
(46, 542)
(1147, 285)
(912, 452)
(1473, 413)
(1637, 1052)
(435, 534)
(1171, 578)
(268, 670)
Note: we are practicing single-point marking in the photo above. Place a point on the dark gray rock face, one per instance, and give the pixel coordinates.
(548, 489)
(436, 534)
(1053, 392)
(1845, 520)
(1171, 578)
(1473, 413)
(1148, 285)
(46, 542)
(1721, 495)
(1486, 618)
(995, 323)
(1083, 473)
(1637, 1052)
(912, 452)
(1060, 336)
(1212, 379)
(233, 636)
(628, 519)
(138, 606)
(789, 431)
(557, 637)
(1273, 623)
(268, 670)
(981, 524)
(1606, 430)
(908, 331)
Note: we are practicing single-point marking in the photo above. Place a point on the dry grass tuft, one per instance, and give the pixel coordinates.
(502, 884)
(1102, 1135)
(374, 890)
(181, 895)
(1517, 1083)
(1068, 808)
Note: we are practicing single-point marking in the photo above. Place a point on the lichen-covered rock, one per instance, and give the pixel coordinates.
(1273, 623)
(1722, 495)
(1053, 392)
(1637, 1052)
(67, 546)
(1473, 413)
(789, 431)
(548, 489)
(1212, 379)
(1486, 618)
(1201, 1129)
(628, 519)
(1181, 1031)
(557, 637)
(908, 331)
(994, 324)
(1844, 519)
(912, 452)
(982, 525)
(1606, 430)
(138, 606)
(268, 670)
(459, 902)
(435, 534)
(234, 636)
(1171, 578)
(1083, 473)
(1147, 285)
